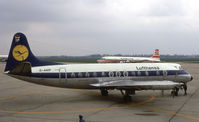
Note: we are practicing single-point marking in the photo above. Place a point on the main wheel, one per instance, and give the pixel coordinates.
(127, 98)
(104, 92)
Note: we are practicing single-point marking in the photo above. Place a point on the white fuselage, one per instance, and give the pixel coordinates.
(109, 59)
(83, 75)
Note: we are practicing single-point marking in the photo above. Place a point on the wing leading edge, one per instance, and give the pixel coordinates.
(139, 85)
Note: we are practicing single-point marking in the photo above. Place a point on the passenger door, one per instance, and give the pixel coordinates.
(62, 74)
(165, 73)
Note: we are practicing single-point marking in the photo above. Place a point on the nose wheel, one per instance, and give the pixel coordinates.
(175, 91)
(185, 88)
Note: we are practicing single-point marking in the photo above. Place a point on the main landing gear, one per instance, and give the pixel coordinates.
(126, 95)
(104, 92)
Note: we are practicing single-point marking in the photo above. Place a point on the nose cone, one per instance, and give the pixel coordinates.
(189, 78)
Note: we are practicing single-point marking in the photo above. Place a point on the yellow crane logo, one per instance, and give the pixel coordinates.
(20, 52)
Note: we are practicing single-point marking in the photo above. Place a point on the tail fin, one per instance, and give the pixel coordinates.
(20, 53)
(156, 54)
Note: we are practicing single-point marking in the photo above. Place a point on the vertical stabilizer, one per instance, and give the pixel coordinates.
(20, 53)
(156, 54)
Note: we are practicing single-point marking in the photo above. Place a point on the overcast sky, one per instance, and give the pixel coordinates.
(83, 27)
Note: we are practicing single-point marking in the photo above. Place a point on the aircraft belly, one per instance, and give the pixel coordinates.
(80, 83)
(85, 83)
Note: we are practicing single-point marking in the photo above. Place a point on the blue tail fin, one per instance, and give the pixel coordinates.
(20, 52)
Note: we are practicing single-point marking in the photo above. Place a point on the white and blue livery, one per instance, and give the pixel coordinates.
(128, 77)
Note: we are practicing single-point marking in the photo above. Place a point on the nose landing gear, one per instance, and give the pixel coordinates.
(185, 88)
(175, 91)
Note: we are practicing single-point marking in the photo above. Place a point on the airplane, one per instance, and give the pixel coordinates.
(121, 59)
(126, 77)
(3, 58)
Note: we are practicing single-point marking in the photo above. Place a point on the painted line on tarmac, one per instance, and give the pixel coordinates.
(84, 110)
(139, 104)
(68, 111)
(28, 93)
(169, 112)
(160, 110)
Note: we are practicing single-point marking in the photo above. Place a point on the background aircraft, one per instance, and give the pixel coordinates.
(128, 77)
(120, 59)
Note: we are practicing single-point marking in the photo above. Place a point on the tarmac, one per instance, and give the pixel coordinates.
(21, 101)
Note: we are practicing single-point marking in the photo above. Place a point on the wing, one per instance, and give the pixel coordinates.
(139, 85)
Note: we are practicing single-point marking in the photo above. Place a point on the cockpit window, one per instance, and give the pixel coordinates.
(180, 67)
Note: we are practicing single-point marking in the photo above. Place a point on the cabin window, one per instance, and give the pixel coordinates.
(79, 74)
(111, 74)
(139, 73)
(73, 75)
(118, 74)
(146, 73)
(158, 73)
(94, 74)
(126, 74)
(103, 74)
(133, 73)
(165, 73)
(87, 75)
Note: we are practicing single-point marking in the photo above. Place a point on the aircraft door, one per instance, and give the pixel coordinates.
(62, 74)
(165, 74)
